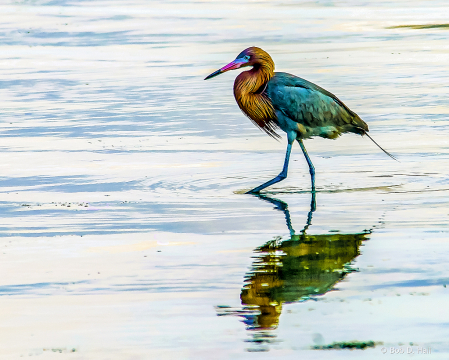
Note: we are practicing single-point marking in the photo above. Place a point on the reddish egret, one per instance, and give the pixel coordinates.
(280, 100)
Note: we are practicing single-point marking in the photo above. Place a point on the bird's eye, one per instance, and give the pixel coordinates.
(246, 57)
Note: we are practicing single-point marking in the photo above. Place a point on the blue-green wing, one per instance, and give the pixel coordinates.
(310, 105)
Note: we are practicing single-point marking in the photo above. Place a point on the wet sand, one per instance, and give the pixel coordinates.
(125, 233)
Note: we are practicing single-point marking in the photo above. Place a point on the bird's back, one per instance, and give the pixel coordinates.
(309, 109)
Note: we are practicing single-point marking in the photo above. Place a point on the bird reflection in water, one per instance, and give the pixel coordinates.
(293, 270)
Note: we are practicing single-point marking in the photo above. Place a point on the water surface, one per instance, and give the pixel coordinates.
(124, 230)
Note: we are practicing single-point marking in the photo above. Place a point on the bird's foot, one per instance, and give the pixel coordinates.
(253, 192)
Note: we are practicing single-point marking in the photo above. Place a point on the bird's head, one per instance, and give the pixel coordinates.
(253, 56)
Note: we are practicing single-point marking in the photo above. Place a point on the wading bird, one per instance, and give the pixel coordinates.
(280, 100)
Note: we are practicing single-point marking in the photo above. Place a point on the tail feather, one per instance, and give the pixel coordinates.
(386, 152)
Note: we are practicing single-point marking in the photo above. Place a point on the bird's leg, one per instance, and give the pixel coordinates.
(278, 178)
(311, 168)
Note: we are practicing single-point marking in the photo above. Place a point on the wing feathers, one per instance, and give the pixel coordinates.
(309, 104)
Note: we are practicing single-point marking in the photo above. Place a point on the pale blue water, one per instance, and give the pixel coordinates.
(124, 230)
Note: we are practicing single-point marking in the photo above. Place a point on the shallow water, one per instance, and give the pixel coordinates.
(124, 230)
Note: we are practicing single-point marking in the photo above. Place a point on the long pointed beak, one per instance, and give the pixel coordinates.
(231, 66)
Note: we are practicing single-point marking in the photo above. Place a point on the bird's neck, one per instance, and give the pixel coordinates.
(249, 93)
(252, 82)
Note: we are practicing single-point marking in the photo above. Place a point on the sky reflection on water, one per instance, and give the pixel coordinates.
(123, 225)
